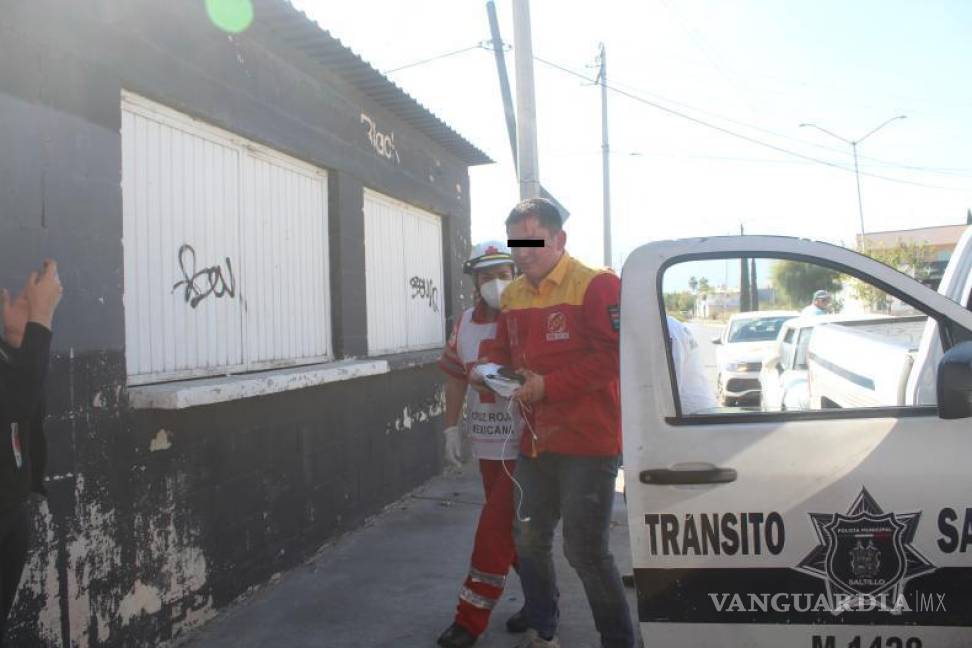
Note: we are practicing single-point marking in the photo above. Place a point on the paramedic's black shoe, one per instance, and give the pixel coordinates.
(455, 636)
(517, 623)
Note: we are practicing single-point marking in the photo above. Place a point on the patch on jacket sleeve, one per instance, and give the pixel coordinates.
(614, 317)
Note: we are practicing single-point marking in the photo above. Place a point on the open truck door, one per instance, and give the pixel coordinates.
(833, 528)
(956, 284)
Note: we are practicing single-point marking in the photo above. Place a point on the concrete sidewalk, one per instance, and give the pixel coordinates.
(393, 583)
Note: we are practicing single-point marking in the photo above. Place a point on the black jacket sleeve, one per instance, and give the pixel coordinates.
(25, 373)
(32, 359)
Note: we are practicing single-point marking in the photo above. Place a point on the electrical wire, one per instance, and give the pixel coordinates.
(614, 87)
(742, 136)
(619, 87)
(435, 58)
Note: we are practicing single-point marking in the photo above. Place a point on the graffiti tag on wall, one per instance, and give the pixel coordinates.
(425, 289)
(198, 285)
(383, 144)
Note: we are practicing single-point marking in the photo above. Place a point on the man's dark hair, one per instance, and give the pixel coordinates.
(541, 208)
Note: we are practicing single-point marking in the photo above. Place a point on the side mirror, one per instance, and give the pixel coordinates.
(955, 382)
(771, 362)
(717, 340)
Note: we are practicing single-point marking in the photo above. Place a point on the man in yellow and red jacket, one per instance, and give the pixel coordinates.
(558, 327)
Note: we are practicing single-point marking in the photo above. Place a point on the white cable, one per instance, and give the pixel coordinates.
(509, 435)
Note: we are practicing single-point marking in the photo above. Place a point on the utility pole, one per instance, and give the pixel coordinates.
(504, 80)
(745, 294)
(528, 166)
(853, 145)
(754, 301)
(605, 157)
(507, 96)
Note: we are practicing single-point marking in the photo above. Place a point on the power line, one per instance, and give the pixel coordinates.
(436, 58)
(619, 87)
(944, 171)
(747, 138)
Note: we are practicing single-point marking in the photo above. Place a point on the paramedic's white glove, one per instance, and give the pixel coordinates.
(453, 446)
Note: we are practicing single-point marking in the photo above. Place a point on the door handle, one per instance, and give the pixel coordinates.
(696, 475)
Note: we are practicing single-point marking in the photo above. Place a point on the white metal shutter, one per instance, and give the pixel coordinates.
(179, 188)
(285, 273)
(403, 258)
(251, 291)
(384, 275)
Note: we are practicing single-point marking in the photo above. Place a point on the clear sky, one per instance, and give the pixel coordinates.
(756, 67)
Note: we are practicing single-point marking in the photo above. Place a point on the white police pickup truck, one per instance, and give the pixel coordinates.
(826, 528)
(864, 362)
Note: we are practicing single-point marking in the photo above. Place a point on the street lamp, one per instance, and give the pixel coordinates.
(853, 144)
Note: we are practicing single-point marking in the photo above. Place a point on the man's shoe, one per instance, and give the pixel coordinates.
(455, 636)
(534, 640)
(517, 623)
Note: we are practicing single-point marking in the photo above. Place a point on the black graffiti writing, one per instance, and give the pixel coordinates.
(197, 286)
(425, 289)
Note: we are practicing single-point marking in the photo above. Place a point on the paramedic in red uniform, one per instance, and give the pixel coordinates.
(559, 327)
(492, 426)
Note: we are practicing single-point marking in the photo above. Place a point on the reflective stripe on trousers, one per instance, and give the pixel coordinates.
(476, 600)
(494, 580)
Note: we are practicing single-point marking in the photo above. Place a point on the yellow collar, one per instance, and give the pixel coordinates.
(556, 275)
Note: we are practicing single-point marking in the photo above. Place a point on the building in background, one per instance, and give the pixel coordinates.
(261, 240)
(720, 304)
(941, 241)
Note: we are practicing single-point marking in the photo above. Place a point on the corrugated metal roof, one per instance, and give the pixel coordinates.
(294, 27)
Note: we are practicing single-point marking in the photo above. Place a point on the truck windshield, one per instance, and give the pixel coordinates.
(756, 330)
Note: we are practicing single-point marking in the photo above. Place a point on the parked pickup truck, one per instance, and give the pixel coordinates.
(888, 362)
(863, 363)
(784, 380)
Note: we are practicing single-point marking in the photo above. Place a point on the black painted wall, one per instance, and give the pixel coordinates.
(156, 519)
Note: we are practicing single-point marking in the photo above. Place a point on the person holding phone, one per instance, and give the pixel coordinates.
(24, 352)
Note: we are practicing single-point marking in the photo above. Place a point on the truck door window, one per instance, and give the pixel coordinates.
(853, 348)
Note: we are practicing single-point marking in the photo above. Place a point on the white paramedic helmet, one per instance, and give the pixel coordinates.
(488, 254)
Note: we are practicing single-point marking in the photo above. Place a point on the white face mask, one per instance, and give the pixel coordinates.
(492, 290)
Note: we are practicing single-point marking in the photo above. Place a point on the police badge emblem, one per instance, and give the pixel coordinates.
(858, 569)
(865, 556)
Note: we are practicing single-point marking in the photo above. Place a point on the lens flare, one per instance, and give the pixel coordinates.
(233, 16)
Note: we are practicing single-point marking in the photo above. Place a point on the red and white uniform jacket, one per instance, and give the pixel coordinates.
(491, 423)
(567, 330)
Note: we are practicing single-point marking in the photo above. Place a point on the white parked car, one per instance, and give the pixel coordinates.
(744, 342)
(784, 378)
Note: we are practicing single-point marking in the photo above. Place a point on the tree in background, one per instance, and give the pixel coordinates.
(704, 287)
(754, 300)
(795, 282)
(693, 284)
(745, 294)
(910, 257)
(680, 304)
